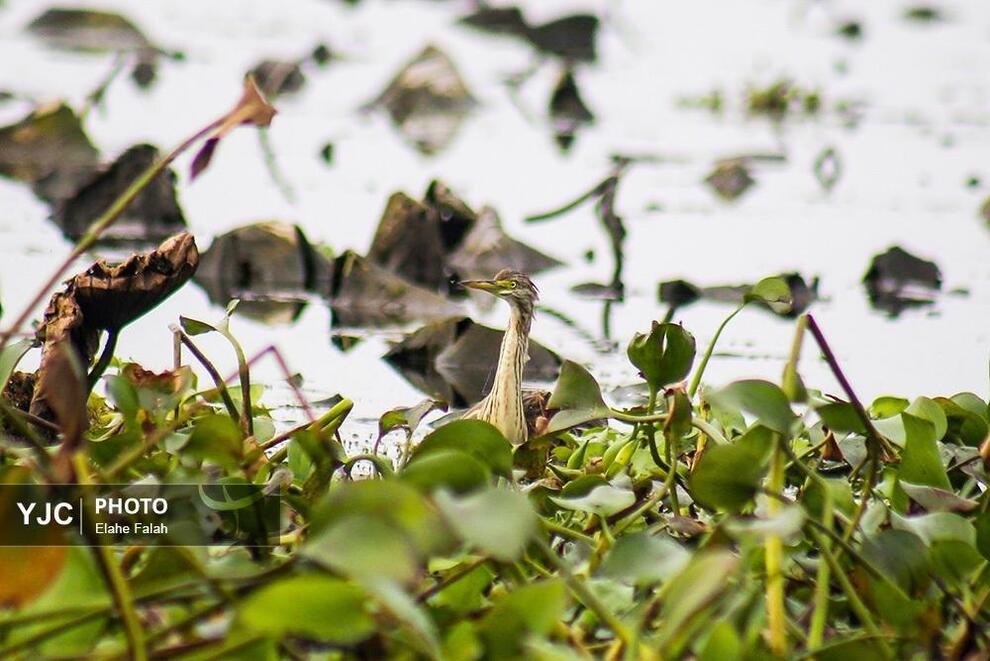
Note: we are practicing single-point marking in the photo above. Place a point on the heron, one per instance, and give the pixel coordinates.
(503, 405)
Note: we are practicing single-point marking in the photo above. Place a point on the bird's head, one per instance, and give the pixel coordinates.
(512, 286)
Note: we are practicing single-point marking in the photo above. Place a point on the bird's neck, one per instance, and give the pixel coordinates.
(512, 356)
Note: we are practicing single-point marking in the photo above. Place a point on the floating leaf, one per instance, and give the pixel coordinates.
(603, 500)
(772, 292)
(640, 559)
(920, 461)
(477, 438)
(360, 547)
(761, 398)
(728, 476)
(532, 609)
(450, 469)
(497, 522)
(313, 606)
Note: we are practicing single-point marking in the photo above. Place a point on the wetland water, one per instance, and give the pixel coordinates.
(921, 93)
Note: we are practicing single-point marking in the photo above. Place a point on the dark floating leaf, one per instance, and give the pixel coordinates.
(153, 215)
(850, 29)
(730, 179)
(366, 294)
(453, 359)
(924, 14)
(427, 100)
(84, 29)
(48, 149)
(802, 294)
(108, 297)
(571, 37)
(430, 242)
(327, 153)
(269, 266)
(897, 280)
(567, 109)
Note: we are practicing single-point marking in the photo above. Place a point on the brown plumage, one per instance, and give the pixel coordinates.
(503, 405)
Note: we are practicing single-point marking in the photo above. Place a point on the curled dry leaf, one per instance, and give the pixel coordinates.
(252, 108)
(108, 297)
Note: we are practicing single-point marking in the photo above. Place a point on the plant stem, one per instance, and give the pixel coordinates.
(774, 553)
(633, 419)
(585, 595)
(105, 357)
(228, 402)
(114, 578)
(699, 372)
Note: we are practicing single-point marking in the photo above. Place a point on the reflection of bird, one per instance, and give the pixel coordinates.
(503, 405)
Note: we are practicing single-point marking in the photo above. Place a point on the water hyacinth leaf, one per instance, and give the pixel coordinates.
(723, 642)
(861, 648)
(973, 404)
(477, 438)
(982, 524)
(935, 527)
(903, 557)
(640, 559)
(929, 410)
(760, 398)
(965, 426)
(218, 439)
(956, 561)
(467, 594)
(603, 500)
(313, 606)
(664, 355)
(841, 417)
(450, 469)
(360, 547)
(934, 499)
(888, 407)
(772, 292)
(578, 398)
(728, 476)
(408, 418)
(785, 524)
(532, 609)
(920, 461)
(497, 522)
(419, 627)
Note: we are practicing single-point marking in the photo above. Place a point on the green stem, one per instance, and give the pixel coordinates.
(584, 594)
(698, 373)
(628, 417)
(114, 578)
(709, 430)
(211, 369)
(247, 419)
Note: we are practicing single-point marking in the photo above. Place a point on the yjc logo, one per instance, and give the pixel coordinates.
(60, 513)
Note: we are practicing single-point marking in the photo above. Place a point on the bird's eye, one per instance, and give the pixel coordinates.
(512, 284)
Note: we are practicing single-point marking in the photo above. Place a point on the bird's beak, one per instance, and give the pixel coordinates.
(489, 286)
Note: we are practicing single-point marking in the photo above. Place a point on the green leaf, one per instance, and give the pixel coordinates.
(841, 417)
(477, 438)
(532, 609)
(785, 523)
(640, 559)
(728, 476)
(760, 398)
(603, 500)
(361, 547)
(936, 527)
(902, 556)
(497, 522)
(694, 589)
(926, 409)
(982, 524)
(216, 438)
(577, 397)
(10, 355)
(888, 407)
(466, 594)
(195, 326)
(772, 292)
(451, 469)
(920, 461)
(313, 606)
(934, 499)
(860, 648)
(965, 426)
(664, 355)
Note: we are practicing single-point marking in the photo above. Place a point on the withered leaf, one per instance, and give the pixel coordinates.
(62, 388)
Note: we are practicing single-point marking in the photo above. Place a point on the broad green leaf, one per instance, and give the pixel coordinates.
(477, 438)
(920, 461)
(664, 355)
(532, 609)
(362, 547)
(965, 426)
(934, 499)
(723, 642)
(577, 397)
(640, 559)
(467, 594)
(785, 523)
(841, 417)
(982, 524)
(695, 588)
(216, 438)
(497, 522)
(450, 469)
(312, 606)
(902, 556)
(926, 409)
(860, 648)
(956, 561)
(416, 622)
(728, 476)
(935, 527)
(603, 500)
(973, 404)
(888, 407)
(760, 398)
